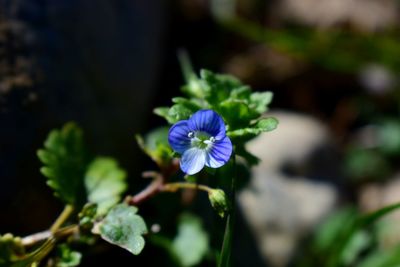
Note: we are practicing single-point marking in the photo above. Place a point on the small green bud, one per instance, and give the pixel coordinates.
(87, 215)
(219, 201)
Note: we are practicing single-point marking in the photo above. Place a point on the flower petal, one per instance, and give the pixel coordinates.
(220, 153)
(208, 121)
(178, 136)
(193, 160)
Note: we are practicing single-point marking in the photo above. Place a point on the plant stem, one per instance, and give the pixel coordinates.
(31, 240)
(68, 209)
(226, 251)
(173, 187)
(153, 188)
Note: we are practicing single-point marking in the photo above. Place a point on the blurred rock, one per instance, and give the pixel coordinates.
(377, 79)
(289, 194)
(368, 15)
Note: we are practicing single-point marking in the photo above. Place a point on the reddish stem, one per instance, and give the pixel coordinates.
(156, 186)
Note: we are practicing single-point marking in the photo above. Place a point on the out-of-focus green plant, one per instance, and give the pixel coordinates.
(349, 238)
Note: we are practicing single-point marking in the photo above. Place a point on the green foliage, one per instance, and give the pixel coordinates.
(105, 182)
(219, 201)
(64, 157)
(155, 145)
(366, 164)
(67, 257)
(389, 137)
(337, 50)
(236, 103)
(87, 215)
(124, 228)
(191, 243)
(382, 258)
(344, 239)
(11, 249)
(262, 125)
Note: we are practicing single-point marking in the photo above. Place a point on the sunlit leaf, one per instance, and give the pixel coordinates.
(105, 182)
(124, 228)
(191, 243)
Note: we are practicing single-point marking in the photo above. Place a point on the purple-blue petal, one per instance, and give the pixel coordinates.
(193, 160)
(220, 153)
(208, 121)
(178, 136)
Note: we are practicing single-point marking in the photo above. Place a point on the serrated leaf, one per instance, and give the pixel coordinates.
(242, 92)
(260, 100)
(124, 228)
(65, 158)
(236, 113)
(191, 243)
(219, 86)
(67, 257)
(263, 125)
(105, 182)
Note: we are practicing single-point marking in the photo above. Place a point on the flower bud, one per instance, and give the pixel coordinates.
(219, 201)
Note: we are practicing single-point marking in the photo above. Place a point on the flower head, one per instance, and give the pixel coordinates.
(201, 140)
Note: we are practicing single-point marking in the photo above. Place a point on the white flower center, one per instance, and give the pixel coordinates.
(201, 140)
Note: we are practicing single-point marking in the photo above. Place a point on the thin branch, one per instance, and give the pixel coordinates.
(173, 187)
(33, 239)
(68, 209)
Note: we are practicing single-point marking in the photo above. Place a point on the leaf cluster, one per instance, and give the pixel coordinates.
(241, 109)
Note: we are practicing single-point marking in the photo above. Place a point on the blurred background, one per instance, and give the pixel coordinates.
(333, 66)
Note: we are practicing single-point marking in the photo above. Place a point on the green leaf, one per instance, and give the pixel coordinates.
(237, 113)
(105, 182)
(366, 164)
(225, 259)
(382, 258)
(329, 231)
(156, 146)
(259, 101)
(357, 244)
(219, 201)
(263, 125)
(67, 257)
(124, 228)
(389, 137)
(218, 86)
(65, 158)
(192, 242)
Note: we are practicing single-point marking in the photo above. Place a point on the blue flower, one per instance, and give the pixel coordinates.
(201, 140)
